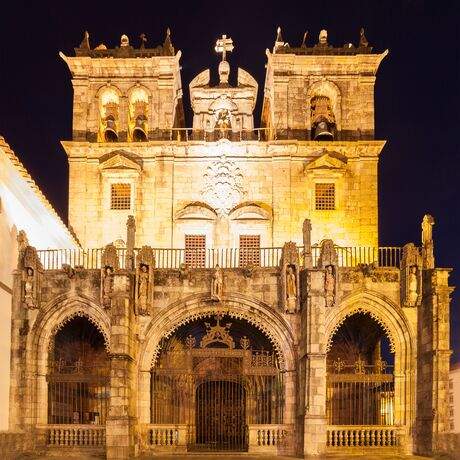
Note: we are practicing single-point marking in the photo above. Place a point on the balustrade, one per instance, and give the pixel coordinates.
(268, 438)
(362, 436)
(75, 435)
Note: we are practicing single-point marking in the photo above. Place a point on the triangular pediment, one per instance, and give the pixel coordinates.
(328, 160)
(119, 161)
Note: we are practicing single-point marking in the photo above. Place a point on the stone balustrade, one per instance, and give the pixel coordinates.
(75, 436)
(166, 437)
(268, 438)
(362, 436)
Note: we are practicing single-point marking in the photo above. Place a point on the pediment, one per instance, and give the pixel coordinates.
(119, 161)
(328, 160)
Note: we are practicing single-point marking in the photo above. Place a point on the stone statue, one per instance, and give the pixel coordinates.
(291, 290)
(323, 37)
(29, 289)
(413, 285)
(144, 281)
(143, 289)
(363, 43)
(107, 287)
(328, 254)
(217, 283)
(329, 286)
(130, 242)
(427, 241)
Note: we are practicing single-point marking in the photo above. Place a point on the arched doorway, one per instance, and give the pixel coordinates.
(215, 376)
(78, 375)
(360, 399)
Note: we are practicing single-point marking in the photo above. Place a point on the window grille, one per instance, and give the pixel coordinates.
(249, 250)
(195, 251)
(324, 197)
(120, 196)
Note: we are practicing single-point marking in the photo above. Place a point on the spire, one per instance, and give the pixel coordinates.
(167, 44)
(279, 42)
(304, 40)
(363, 43)
(85, 42)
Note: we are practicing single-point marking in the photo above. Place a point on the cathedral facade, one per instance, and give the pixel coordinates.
(228, 292)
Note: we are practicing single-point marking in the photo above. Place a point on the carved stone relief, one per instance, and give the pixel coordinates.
(411, 276)
(145, 263)
(290, 268)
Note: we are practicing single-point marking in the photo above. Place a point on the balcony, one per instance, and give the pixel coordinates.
(176, 258)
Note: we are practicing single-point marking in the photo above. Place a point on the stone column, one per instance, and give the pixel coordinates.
(313, 356)
(433, 361)
(121, 420)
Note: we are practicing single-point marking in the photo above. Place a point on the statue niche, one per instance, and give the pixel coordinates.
(328, 261)
(411, 276)
(109, 264)
(32, 269)
(290, 267)
(145, 263)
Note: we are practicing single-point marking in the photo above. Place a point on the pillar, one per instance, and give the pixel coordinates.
(121, 427)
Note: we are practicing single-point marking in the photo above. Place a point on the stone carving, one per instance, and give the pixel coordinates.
(145, 263)
(31, 277)
(190, 342)
(427, 241)
(23, 243)
(130, 242)
(328, 254)
(109, 264)
(307, 254)
(217, 284)
(223, 186)
(245, 343)
(217, 334)
(411, 276)
(330, 286)
(290, 268)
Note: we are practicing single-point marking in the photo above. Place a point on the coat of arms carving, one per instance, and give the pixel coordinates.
(223, 186)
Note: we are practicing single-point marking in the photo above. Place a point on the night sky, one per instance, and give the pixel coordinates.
(417, 90)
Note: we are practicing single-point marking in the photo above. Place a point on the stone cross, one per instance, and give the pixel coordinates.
(223, 45)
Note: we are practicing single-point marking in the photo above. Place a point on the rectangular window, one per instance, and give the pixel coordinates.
(249, 250)
(324, 197)
(120, 196)
(195, 251)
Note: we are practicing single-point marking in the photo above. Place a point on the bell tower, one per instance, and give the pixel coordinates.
(125, 94)
(320, 92)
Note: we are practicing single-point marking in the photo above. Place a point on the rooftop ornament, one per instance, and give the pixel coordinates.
(223, 45)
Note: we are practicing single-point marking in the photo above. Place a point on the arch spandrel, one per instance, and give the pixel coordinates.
(389, 315)
(260, 315)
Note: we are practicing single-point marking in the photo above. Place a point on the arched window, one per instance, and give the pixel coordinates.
(138, 115)
(78, 375)
(109, 111)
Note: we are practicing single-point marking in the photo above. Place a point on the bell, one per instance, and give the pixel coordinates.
(139, 134)
(110, 132)
(322, 132)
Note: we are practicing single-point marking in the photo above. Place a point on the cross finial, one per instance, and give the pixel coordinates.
(223, 45)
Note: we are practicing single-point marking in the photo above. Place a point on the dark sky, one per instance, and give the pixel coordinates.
(417, 90)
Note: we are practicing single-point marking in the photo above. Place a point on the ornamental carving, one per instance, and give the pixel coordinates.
(217, 334)
(145, 262)
(290, 267)
(223, 186)
(411, 276)
(31, 277)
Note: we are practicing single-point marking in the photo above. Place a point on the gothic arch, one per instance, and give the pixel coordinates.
(329, 89)
(256, 313)
(380, 308)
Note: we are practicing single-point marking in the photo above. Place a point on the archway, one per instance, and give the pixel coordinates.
(217, 375)
(360, 374)
(78, 375)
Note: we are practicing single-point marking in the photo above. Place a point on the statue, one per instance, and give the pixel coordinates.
(130, 242)
(329, 286)
(413, 285)
(217, 284)
(323, 37)
(363, 43)
(29, 289)
(291, 290)
(290, 268)
(328, 254)
(107, 287)
(427, 241)
(144, 281)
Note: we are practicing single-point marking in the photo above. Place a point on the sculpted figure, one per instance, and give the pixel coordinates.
(143, 288)
(291, 290)
(217, 284)
(413, 285)
(329, 286)
(29, 288)
(107, 286)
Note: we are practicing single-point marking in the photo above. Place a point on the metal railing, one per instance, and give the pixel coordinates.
(175, 258)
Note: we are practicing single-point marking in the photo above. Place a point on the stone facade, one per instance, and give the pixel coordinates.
(303, 191)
